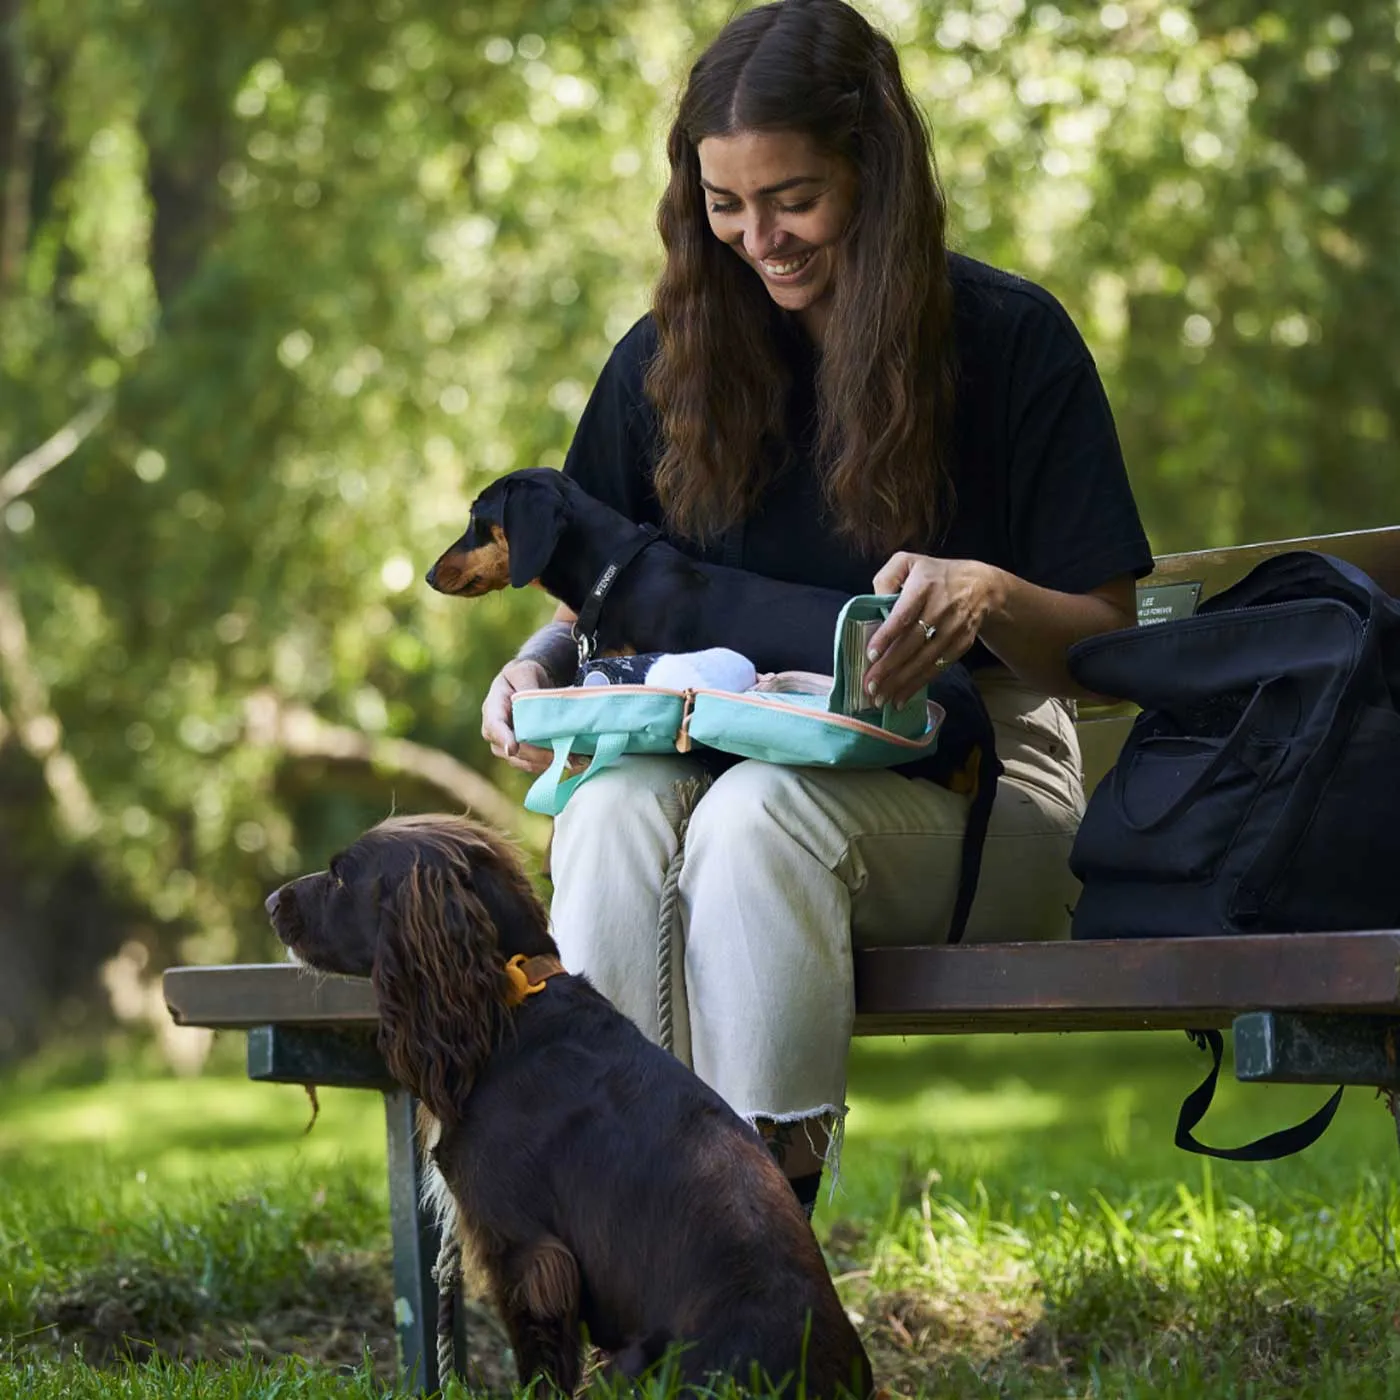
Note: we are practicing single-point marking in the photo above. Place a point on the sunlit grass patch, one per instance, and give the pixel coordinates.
(163, 1380)
(1169, 1283)
(1012, 1221)
(117, 1266)
(191, 1128)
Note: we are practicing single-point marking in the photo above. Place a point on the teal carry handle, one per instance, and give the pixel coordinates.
(551, 790)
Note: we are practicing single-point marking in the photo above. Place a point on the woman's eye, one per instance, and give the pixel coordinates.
(718, 206)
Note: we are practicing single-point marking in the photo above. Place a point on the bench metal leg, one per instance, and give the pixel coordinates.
(415, 1238)
(1283, 1047)
(1287, 1047)
(349, 1059)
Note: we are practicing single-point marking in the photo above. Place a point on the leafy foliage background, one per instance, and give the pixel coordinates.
(296, 277)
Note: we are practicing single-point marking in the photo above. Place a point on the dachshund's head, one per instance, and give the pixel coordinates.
(430, 908)
(511, 535)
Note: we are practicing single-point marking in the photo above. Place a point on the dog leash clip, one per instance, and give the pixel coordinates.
(584, 643)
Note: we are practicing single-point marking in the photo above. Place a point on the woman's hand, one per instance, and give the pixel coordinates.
(945, 605)
(941, 607)
(496, 718)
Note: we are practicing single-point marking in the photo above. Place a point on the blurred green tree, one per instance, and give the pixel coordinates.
(283, 284)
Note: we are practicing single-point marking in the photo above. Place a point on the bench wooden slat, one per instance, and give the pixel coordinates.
(1132, 984)
(1135, 984)
(240, 995)
(1376, 552)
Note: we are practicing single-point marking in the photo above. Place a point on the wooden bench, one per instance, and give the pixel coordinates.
(1305, 1008)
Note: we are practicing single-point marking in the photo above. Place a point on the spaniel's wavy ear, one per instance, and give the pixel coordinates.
(440, 983)
(533, 519)
(521, 919)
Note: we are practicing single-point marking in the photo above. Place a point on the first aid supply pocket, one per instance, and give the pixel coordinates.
(792, 718)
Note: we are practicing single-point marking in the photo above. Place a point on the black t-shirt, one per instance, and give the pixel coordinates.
(1041, 488)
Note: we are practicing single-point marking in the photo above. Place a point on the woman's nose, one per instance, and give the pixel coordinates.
(762, 239)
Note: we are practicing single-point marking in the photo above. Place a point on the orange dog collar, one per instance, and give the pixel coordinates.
(528, 976)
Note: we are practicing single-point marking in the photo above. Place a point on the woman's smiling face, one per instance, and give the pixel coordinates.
(782, 204)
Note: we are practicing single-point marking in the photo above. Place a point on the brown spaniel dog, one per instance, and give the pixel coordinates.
(597, 1183)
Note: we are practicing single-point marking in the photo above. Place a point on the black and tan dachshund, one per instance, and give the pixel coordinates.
(601, 1188)
(539, 526)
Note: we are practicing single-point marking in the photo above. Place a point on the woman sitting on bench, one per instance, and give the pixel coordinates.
(824, 393)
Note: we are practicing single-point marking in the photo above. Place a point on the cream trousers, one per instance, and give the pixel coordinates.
(785, 869)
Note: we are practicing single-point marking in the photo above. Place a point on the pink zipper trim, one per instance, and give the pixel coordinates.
(575, 692)
(827, 717)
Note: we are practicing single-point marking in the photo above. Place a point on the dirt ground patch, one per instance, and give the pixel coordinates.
(345, 1323)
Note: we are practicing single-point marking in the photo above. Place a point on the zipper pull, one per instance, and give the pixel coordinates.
(683, 733)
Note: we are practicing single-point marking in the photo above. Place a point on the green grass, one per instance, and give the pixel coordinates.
(1011, 1220)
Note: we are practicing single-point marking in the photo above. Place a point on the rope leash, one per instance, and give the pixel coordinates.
(688, 794)
(447, 1274)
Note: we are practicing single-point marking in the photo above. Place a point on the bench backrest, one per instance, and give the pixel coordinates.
(1180, 582)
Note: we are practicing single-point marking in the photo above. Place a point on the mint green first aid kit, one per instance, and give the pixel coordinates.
(791, 717)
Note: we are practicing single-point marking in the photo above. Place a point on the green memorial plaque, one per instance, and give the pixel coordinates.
(1165, 602)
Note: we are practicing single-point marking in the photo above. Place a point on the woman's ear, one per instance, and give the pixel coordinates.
(533, 519)
(440, 984)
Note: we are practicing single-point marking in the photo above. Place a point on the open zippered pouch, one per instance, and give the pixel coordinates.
(791, 717)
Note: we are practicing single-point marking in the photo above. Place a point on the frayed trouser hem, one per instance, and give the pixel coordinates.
(832, 1117)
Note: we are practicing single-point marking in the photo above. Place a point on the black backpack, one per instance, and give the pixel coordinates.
(1258, 790)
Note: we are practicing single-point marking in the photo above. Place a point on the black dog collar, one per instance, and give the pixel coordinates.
(585, 628)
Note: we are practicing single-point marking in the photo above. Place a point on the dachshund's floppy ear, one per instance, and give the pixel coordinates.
(533, 517)
(440, 984)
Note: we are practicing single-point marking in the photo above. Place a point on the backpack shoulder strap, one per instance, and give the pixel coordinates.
(1269, 1148)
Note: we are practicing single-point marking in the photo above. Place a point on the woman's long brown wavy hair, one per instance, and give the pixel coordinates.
(885, 385)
